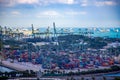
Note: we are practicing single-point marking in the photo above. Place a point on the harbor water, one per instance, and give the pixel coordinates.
(5, 69)
(115, 74)
(95, 32)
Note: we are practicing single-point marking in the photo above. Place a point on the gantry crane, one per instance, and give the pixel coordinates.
(33, 31)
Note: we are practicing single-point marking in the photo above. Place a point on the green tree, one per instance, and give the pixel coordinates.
(82, 78)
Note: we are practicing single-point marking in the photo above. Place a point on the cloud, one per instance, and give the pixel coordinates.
(49, 13)
(53, 13)
(6, 3)
(66, 1)
(105, 3)
(98, 2)
(110, 3)
(27, 1)
(15, 13)
(73, 13)
(48, 2)
(11, 3)
(83, 13)
(84, 3)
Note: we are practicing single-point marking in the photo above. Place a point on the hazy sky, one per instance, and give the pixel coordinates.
(65, 13)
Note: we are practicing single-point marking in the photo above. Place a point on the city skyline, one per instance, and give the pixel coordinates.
(65, 13)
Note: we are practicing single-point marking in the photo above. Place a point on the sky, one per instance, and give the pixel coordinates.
(65, 13)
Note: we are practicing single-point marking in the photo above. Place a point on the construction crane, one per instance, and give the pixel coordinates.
(17, 34)
(55, 33)
(1, 30)
(33, 31)
(11, 32)
(55, 37)
(47, 32)
(5, 30)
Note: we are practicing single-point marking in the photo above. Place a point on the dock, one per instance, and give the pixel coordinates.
(20, 66)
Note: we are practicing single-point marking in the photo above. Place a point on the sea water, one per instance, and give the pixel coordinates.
(115, 74)
(5, 69)
(97, 32)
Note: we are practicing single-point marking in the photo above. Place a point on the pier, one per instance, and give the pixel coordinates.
(19, 66)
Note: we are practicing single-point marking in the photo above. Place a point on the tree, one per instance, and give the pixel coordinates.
(82, 78)
(117, 78)
(93, 78)
(115, 68)
(104, 78)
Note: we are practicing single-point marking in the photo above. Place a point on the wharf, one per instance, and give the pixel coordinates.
(19, 66)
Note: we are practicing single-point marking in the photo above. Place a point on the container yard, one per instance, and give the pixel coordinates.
(52, 50)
